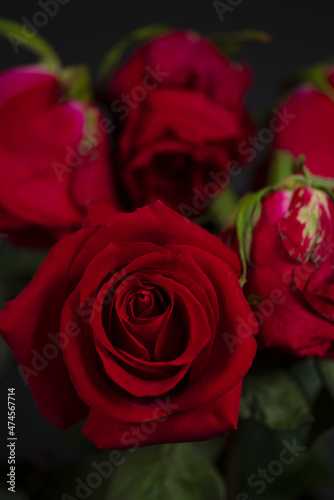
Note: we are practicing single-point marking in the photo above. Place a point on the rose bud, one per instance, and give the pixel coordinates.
(178, 106)
(54, 157)
(310, 124)
(124, 325)
(285, 238)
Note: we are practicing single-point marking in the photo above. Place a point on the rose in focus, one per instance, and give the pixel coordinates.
(178, 105)
(139, 304)
(54, 157)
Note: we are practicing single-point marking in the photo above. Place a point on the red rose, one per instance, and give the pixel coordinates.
(54, 157)
(178, 103)
(311, 131)
(291, 270)
(142, 304)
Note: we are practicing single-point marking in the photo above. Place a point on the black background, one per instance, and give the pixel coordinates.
(82, 31)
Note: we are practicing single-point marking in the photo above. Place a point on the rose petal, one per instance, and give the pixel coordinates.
(220, 416)
(25, 323)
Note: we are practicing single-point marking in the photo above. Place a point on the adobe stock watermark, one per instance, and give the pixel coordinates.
(306, 269)
(249, 148)
(121, 107)
(201, 199)
(55, 343)
(152, 79)
(131, 439)
(260, 479)
(41, 359)
(30, 27)
(260, 311)
(92, 138)
(138, 434)
(223, 8)
(256, 143)
(265, 308)
(102, 471)
(93, 305)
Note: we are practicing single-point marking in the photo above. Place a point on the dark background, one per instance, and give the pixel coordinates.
(82, 32)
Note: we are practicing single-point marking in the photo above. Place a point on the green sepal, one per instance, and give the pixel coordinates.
(231, 43)
(114, 55)
(248, 210)
(306, 179)
(76, 82)
(254, 299)
(248, 213)
(91, 134)
(36, 44)
(318, 76)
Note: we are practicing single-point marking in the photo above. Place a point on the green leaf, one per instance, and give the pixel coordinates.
(231, 43)
(306, 375)
(178, 472)
(212, 448)
(76, 82)
(326, 370)
(112, 58)
(324, 416)
(323, 411)
(274, 400)
(259, 447)
(310, 470)
(13, 31)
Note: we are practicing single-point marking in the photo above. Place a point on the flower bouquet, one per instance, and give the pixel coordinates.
(172, 318)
